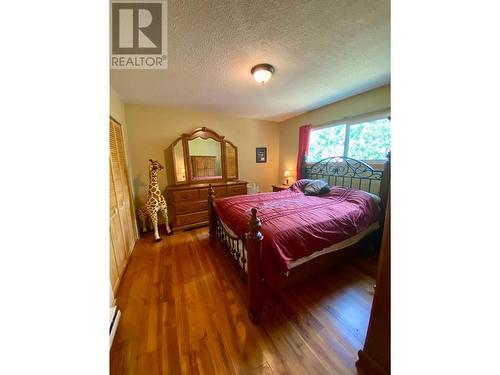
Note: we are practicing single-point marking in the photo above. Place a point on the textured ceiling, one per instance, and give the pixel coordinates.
(323, 51)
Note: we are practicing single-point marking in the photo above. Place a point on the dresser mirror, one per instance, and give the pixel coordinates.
(231, 161)
(179, 162)
(204, 156)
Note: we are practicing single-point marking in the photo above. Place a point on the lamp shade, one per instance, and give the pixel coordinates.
(262, 72)
(287, 173)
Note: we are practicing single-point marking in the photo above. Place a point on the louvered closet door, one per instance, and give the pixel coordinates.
(122, 234)
(113, 266)
(124, 206)
(117, 242)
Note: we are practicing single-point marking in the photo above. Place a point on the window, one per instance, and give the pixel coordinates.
(366, 138)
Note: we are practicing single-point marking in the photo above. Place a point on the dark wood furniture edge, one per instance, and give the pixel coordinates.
(211, 213)
(253, 244)
(375, 357)
(368, 365)
(205, 185)
(384, 187)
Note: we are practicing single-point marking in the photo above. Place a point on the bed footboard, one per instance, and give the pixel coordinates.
(246, 255)
(253, 244)
(212, 216)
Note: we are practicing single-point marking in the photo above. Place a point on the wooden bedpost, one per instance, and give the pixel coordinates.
(253, 245)
(386, 182)
(211, 212)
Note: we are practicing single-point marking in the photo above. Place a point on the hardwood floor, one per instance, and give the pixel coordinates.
(183, 312)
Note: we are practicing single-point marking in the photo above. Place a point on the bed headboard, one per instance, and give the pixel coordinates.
(353, 173)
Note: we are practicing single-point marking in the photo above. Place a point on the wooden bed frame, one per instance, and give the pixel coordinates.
(246, 254)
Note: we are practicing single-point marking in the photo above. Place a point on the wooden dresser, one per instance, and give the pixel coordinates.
(188, 204)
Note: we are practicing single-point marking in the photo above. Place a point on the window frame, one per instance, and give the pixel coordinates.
(355, 120)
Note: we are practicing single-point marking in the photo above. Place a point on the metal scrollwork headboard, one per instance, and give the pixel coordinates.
(348, 172)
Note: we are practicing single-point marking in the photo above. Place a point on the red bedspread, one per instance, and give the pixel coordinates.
(295, 225)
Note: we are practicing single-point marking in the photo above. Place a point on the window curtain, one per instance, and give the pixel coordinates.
(304, 133)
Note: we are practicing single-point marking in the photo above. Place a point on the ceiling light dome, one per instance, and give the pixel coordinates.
(262, 72)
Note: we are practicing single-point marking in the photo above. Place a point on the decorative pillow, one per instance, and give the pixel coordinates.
(316, 187)
(299, 185)
(375, 197)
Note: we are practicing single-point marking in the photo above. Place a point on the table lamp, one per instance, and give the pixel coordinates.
(286, 175)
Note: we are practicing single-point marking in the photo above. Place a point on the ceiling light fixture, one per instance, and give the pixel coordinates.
(262, 72)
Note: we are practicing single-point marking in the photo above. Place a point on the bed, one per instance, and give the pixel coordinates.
(278, 239)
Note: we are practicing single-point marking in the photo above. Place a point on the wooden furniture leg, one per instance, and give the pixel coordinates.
(211, 212)
(253, 244)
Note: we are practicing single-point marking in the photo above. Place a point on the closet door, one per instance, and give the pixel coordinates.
(117, 242)
(113, 266)
(122, 233)
(125, 205)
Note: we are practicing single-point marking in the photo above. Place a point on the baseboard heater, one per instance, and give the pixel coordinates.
(114, 318)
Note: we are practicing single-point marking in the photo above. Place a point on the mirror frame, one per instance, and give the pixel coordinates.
(186, 181)
(203, 133)
(235, 160)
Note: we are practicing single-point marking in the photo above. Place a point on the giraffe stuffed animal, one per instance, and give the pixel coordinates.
(156, 202)
(142, 213)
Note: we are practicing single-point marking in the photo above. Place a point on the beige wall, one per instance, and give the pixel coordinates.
(152, 129)
(116, 107)
(369, 101)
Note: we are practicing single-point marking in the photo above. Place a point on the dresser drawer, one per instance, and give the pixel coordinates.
(185, 195)
(220, 191)
(237, 190)
(187, 207)
(187, 219)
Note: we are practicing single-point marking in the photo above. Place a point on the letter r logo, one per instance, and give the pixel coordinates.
(138, 34)
(136, 28)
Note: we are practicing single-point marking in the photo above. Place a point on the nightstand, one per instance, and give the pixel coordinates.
(280, 187)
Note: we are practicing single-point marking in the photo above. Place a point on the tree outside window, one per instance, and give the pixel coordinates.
(365, 141)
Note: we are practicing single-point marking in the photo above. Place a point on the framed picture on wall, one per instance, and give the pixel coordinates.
(261, 155)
